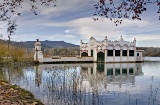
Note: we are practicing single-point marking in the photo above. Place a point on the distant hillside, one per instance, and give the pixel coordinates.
(148, 51)
(51, 44)
(45, 44)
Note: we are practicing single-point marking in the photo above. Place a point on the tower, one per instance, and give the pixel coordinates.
(38, 53)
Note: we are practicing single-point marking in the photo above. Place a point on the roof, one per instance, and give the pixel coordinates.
(140, 50)
(37, 43)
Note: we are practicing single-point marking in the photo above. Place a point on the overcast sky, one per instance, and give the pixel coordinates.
(71, 21)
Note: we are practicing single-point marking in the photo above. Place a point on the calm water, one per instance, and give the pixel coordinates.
(152, 59)
(90, 84)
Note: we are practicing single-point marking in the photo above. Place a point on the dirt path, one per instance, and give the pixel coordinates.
(13, 95)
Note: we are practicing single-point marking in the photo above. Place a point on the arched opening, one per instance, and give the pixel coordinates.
(100, 57)
(91, 53)
(84, 54)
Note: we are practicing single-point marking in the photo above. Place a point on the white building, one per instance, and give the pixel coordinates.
(111, 51)
(38, 53)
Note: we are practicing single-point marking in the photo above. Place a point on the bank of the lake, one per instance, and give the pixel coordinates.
(14, 95)
(19, 62)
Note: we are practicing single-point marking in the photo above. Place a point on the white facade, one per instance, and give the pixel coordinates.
(111, 51)
(38, 53)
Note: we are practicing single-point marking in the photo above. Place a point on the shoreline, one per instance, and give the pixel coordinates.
(20, 62)
(12, 94)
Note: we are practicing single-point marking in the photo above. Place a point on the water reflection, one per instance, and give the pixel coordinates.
(83, 83)
(86, 84)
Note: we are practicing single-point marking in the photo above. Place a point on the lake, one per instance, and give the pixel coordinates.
(89, 84)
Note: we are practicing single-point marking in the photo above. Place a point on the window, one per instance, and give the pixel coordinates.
(124, 53)
(124, 71)
(130, 70)
(110, 52)
(92, 53)
(91, 70)
(131, 52)
(137, 54)
(117, 71)
(109, 71)
(84, 54)
(117, 52)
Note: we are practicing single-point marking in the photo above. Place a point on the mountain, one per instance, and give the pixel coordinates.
(51, 44)
(45, 44)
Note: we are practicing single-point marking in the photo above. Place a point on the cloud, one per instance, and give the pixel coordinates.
(62, 36)
(67, 31)
(69, 36)
(99, 29)
(67, 7)
(72, 21)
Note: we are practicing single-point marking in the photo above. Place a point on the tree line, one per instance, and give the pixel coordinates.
(71, 51)
(14, 53)
(150, 51)
(75, 51)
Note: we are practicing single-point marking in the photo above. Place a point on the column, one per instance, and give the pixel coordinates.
(105, 73)
(114, 71)
(121, 51)
(134, 75)
(135, 54)
(127, 54)
(95, 55)
(94, 68)
(89, 71)
(89, 52)
(105, 69)
(128, 66)
(127, 72)
(105, 59)
(120, 83)
(113, 55)
(121, 70)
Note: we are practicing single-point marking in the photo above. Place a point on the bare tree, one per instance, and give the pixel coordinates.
(12, 26)
(8, 8)
(116, 10)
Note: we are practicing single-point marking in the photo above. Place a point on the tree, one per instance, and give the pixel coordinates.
(112, 9)
(8, 8)
(17, 53)
(3, 50)
(116, 10)
(11, 30)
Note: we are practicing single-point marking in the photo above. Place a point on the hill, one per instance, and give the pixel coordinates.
(45, 44)
(148, 51)
(51, 44)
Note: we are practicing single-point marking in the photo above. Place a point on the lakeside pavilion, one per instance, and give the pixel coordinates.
(111, 51)
(97, 51)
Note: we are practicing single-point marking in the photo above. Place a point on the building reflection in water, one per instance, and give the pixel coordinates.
(83, 84)
(38, 75)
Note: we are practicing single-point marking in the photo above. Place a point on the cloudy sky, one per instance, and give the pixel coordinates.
(71, 21)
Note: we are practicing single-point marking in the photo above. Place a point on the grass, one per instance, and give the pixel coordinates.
(20, 61)
(21, 94)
